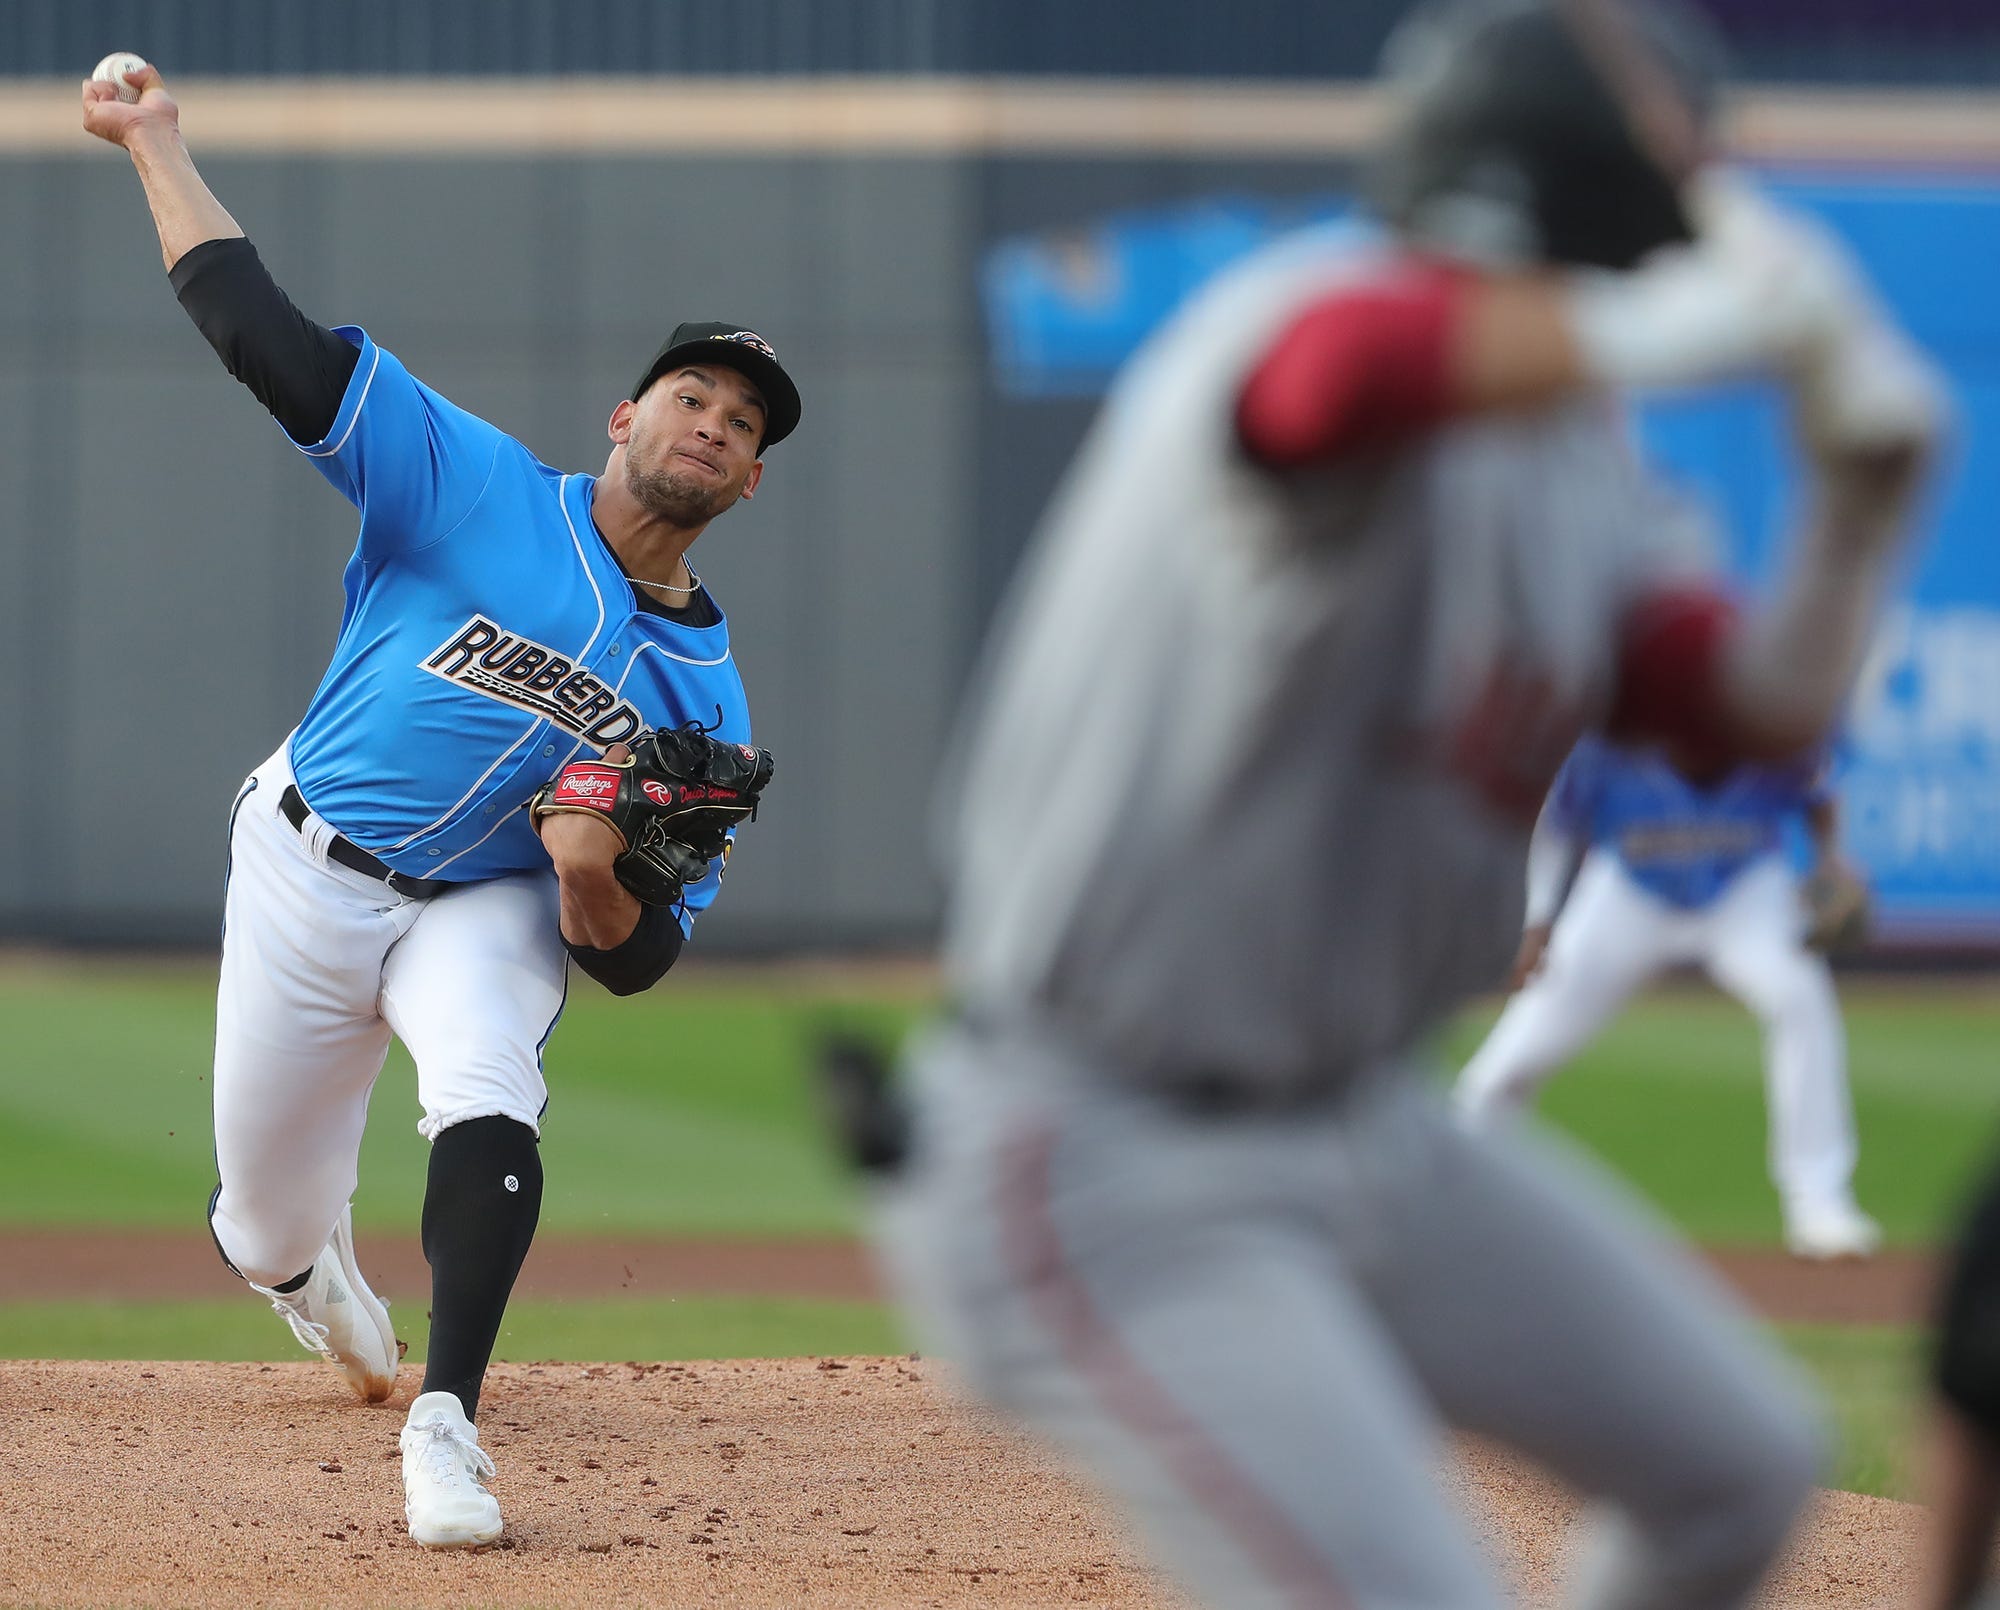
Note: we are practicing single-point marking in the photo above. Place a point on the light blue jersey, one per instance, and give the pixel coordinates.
(1681, 840)
(489, 637)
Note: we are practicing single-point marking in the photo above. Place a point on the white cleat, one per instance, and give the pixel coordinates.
(443, 1498)
(1826, 1234)
(335, 1315)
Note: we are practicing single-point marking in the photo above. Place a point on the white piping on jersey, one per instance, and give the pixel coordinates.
(721, 659)
(353, 419)
(664, 653)
(498, 761)
(562, 501)
(503, 819)
(597, 592)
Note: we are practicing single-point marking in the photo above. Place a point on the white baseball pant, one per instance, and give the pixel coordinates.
(1612, 935)
(1254, 1328)
(320, 965)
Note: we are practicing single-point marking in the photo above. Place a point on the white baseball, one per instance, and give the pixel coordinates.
(113, 68)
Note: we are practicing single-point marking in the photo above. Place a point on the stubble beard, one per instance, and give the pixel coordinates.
(681, 499)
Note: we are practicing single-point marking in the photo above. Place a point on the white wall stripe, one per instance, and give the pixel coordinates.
(916, 116)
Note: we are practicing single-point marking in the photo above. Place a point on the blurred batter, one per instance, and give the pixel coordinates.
(1354, 552)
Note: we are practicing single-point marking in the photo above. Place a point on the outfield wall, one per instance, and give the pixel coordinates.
(169, 569)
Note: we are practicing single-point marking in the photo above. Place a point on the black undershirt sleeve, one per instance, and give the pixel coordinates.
(642, 961)
(297, 369)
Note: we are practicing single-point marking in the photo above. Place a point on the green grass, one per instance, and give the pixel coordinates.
(690, 1110)
(1671, 1097)
(687, 1110)
(615, 1328)
(1871, 1377)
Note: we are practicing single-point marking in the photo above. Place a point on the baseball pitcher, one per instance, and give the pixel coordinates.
(531, 745)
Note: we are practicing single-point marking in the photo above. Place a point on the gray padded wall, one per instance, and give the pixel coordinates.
(172, 569)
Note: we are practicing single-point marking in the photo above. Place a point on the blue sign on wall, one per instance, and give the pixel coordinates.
(1922, 770)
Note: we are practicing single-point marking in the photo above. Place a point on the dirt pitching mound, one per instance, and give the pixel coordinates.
(798, 1483)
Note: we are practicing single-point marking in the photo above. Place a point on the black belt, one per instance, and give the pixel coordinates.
(293, 807)
(1199, 1092)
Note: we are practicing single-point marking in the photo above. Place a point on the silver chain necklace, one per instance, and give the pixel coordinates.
(694, 582)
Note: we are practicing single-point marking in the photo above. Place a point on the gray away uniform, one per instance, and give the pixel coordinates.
(1239, 817)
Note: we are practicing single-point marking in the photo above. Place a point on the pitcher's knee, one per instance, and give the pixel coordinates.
(263, 1253)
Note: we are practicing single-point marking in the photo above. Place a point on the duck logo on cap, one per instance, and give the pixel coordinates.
(749, 338)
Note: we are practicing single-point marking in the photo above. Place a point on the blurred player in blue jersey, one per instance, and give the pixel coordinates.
(501, 619)
(1679, 869)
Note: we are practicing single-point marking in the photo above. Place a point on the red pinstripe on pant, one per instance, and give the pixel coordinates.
(1134, 1397)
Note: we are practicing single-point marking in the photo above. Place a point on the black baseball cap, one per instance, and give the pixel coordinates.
(732, 346)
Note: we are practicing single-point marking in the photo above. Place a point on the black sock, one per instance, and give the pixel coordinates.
(480, 1207)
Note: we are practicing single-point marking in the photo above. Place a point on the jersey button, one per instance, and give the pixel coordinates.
(614, 651)
(433, 852)
(548, 749)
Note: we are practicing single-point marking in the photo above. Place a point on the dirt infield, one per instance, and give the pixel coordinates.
(135, 1266)
(826, 1484)
(804, 1483)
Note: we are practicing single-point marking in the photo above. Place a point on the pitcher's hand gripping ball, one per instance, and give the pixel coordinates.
(672, 801)
(116, 69)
